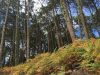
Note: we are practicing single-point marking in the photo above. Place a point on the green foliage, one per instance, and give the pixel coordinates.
(80, 54)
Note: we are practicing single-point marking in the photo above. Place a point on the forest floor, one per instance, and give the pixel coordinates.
(78, 58)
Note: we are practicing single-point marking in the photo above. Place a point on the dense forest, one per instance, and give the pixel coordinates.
(29, 28)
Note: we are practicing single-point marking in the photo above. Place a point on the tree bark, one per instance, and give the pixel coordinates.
(27, 28)
(17, 36)
(57, 29)
(3, 31)
(83, 20)
(68, 21)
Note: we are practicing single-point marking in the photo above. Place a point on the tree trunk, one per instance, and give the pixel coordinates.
(27, 29)
(3, 31)
(12, 53)
(68, 21)
(17, 36)
(97, 12)
(58, 34)
(49, 41)
(83, 20)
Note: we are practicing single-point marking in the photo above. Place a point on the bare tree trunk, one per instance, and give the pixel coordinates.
(90, 25)
(12, 53)
(83, 20)
(3, 31)
(68, 21)
(79, 23)
(27, 29)
(49, 41)
(97, 18)
(97, 12)
(17, 36)
(58, 34)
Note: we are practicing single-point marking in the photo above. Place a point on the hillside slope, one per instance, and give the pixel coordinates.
(79, 58)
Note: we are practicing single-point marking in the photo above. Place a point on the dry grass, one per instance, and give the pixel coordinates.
(80, 54)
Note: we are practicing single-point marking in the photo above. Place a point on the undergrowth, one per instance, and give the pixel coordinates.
(81, 55)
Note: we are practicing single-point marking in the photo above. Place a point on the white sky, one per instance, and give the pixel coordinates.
(37, 4)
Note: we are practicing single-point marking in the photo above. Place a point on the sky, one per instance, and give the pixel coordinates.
(37, 4)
